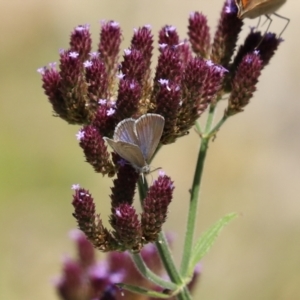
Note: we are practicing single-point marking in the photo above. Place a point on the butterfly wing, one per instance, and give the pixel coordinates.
(149, 129)
(125, 132)
(128, 151)
(255, 8)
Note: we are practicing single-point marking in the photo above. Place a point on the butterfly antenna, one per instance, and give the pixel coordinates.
(155, 169)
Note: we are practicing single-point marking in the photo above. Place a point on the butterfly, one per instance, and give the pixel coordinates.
(256, 8)
(137, 140)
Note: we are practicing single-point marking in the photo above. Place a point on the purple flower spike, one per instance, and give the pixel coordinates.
(124, 185)
(109, 46)
(169, 67)
(95, 150)
(168, 104)
(250, 43)
(74, 88)
(52, 87)
(200, 85)
(267, 47)
(85, 250)
(103, 121)
(133, 65)
(128, 101)
(156, 207)
(168, 35)
(227, 34)
(71, 285)
(90, 223)
(97, 80)
(199, 34)
(143, 41)
(244, 83)
(124, 220)
(81, 41)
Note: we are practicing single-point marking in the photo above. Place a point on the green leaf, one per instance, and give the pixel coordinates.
(206, 240)
(144, 291)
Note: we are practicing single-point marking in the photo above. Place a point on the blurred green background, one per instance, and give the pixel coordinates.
(253, 167)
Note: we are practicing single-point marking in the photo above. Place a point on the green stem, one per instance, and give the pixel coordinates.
(165, 253)
(210, 118)
(162, 243)
(143, 189)
(168, 262)
(147, 273)
(217, 127)
(184, 294)
(177, 277)
(167, 259)
(193, 208)
(188, 244)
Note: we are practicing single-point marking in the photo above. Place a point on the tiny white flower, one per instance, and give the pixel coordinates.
(192, 15)
(110, 112)
(116, 277)
(114, 24)
(87, 64)
(161, 173)
(41, 70)
(120, 76)
(102, 101)
(94, 54)
(209, 63)
(52, 65)
(163, 81)
(73, 54)
(162, 46)
(80, 135)
(75, 187)
(127, 51)
(170, 28)
(79, 28)
(112, 103)
(82, 27)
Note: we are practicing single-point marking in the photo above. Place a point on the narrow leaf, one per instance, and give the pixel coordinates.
(207, 239)
(144, 291)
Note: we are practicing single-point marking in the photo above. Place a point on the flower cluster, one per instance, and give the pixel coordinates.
(128, 231)
(85, 278)
(99, 89)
